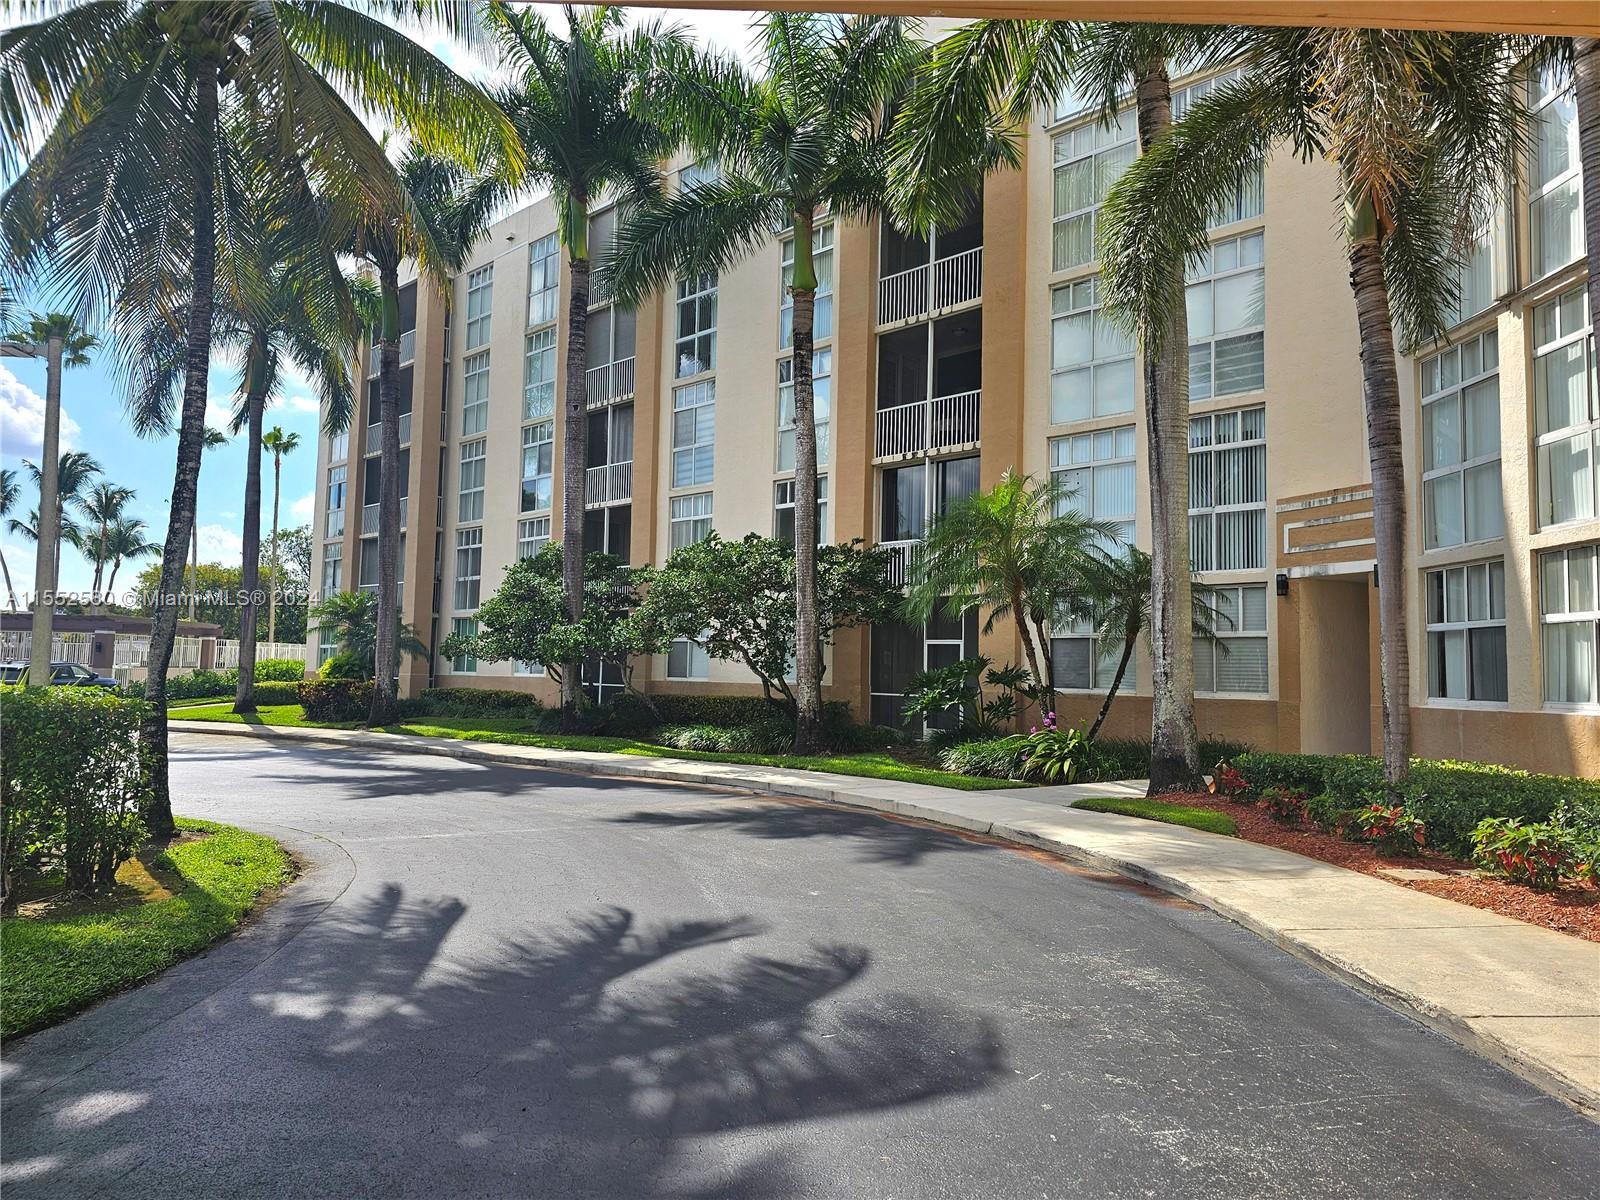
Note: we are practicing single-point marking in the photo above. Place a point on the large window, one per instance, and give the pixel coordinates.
(1236, 660)
(1461, 444)
(783, 510)
(469, 506)
(1566, 408)
(533, 535)
(691, 519)
(464, 664)
(469, 568)
(480, 302)
(1228, 490)
(538, 458)
(687, 659)
(544, 280)
(332, 569)
(694, 431)
(1227, 318)
(1083, 662)
(1091, 360)
(821, 403)
(336, 493)
(539, 376)
(1088, 160)
(475, 394)
(1569, 612)
(822, 312)
(339, 446)
(1099, 468)
(1467, 632)
(1555, 175)
(697, 325)
(1480, 273)
(913, 495)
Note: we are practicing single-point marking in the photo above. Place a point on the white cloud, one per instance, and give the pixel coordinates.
(22, 419)
(219, 544)
(302, 403)
(304, 507)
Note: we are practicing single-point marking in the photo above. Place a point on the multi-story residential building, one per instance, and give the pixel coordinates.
(944, 361)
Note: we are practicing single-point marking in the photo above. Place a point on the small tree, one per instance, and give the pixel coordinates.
(353, 617)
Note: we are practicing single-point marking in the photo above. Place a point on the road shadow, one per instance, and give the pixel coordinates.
(590, 1058)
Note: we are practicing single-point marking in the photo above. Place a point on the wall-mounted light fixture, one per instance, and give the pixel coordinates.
(1283, 583)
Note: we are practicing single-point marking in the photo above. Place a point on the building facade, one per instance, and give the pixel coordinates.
(943, 362)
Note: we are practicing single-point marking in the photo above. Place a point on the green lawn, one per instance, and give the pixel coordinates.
(56, 965)
(1159, 810)
(874, 764)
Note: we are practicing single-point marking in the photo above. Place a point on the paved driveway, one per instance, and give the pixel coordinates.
(508, 983)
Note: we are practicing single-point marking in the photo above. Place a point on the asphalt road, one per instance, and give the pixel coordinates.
(506, 983)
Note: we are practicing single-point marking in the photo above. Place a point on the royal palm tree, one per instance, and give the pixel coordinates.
(1425, 131)
(9, 491)
(806, 138)
(74, 471)
(102, 505)
(126, 542)
(278, 444)
(134, 167)
(211, 439)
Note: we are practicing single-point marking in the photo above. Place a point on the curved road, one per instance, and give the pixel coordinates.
(501, 982)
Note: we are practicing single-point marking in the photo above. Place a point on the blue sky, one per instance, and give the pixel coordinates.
(94, 419)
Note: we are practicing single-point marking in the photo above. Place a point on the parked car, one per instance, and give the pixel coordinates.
(62, 674)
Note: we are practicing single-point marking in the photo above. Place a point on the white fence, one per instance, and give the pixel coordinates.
(928, 426)
(228, 652)
(945, 283)
(608, 484)
(131, 650)
(608, 382)
(901, 557)
(17, 645)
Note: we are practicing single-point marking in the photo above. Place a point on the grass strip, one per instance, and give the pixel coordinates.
(1159, 810)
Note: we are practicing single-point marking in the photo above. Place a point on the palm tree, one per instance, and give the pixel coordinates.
(278, 444)
(978, 90)
(353, 618)
(103, 506)
(9, 490)
(210, 440)
(138, 168)
(1020, 550)
(74, 470)
(807, 138)
(126, 542)
(1425, 130)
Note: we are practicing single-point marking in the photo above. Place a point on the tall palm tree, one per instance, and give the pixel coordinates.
(74, 471)
(210, 440)
(976, 94)
(121, 111)
(1425, 130)
(278, 444)
(808, 137)
(9, 491)
(103, 505)
(126, 542)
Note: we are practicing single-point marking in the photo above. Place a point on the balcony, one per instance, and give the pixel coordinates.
(369, 517)
(408, 352)
(375, 433)
(608, 484)
(902, 556)
(609, 382)
(944, 284)
(928, 426)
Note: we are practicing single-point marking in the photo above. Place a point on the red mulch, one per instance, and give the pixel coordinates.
(1574, 910)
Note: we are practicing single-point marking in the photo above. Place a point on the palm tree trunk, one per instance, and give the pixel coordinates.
(111, 584)
(385, 654)
(46, 568)
(1174, 744)
(244, 694)
(1029, 651)
(194, 575)
(1586, 83)
(1041, 632)
(574, 458)
(807, 629)
(157, 808)
(1380, 385)
(1128, 644)
(100, 563)
(11, 594)
(277, 492)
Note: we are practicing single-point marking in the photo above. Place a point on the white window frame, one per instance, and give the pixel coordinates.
(1218, 650)
(480, 307)
(1102, 146)
(687, 659)
(690, 520)
(1206, 521)
(1079, 302)
(470, 475)
(464, 664)
(1568, 563)
(533, 535)
(469, 569)
(1103, 660)
(695, 296)
(332, 557)
(1548, 92)
(694, 451)
(539, 375)
(1094, 457)
(339, 446)
(1445, 388)
(783, 491)
(544, 280)
(821, 404)
(822, 261)
(338, 490)
(1564, 324)
(1458, 600)
(1204, 275)
(475, 393)
(534, 438)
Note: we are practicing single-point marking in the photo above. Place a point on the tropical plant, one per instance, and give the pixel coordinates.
(278, 444)
(211, 439)
(1540, 854)
(933, 693)
(585, 108)
(353, 619)
(1425, 131)
(1389, 828)
(1050, 753)
(9, 491)
(74, 471)
(102, 505)
(126, 542)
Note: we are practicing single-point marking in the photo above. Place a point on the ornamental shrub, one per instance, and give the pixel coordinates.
(726, 739)
(277, 692)
(1329, 813)
(994, 758)
(70, 784)
(279, 670)
(1389, 828)
(336, 699)
(472, 702)
(1540, 855)
(1053, 754)
(347, 664)
(1284, 805)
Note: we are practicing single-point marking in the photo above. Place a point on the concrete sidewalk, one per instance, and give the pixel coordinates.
(1524, 996)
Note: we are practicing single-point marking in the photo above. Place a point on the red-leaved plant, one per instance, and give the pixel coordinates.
(1389, 828)
(1226, 781)
(1286, 805)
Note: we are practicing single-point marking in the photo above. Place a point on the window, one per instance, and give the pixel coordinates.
(464, 664)
(687, 659)
(544, 280)
(1555, 180)
(821, 404)
(327, 645)
(691, 519)
(1227, 315)
(1099, 468)
(534, 670)
(332, 569)
(1566, 408)
(538, 458)
(336, 493)
(339, 447)
(783, 510)
(1480, 273)
(694, 428)
(697, 325)
(911, 496)
(900, 650)
(470, 503)
(533, 535)
(1088, 161)
(539, 376)
(1080, 662)
(1091, 360)
(1237, 660)
(1228, 490)
(1467, 632)
(699, 174)
(1461, 444)
(1569, 611)
(822, 313)
(1248, 199)
(475, 394)
(480, 300)
(469, 568)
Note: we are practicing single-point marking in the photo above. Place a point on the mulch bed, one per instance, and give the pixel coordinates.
(1574, 910)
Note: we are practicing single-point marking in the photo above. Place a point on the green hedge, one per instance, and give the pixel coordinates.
(629, 715)
(336, 699)
(279, 670)
(992, 758)
(472, 702)
(198, 685)
(70, 784)
(276, 692)
(773, 738)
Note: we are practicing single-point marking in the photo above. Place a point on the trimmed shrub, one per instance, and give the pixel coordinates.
(201, 685)
(347, 664)
(994, 758)
(1299, 772)
(70, 784)
(1329, 813)
(1540, 855)
(277, 692)
(472, 702)
(723, 739)
(1284, 805)
(1390, 828)
(279, 670)
(336, 699)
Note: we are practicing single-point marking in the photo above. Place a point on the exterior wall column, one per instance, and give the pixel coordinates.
(428, 374)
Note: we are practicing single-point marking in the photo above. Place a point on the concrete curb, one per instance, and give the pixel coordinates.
(1524, 997)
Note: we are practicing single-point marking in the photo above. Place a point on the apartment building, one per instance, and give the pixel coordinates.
(944, 361)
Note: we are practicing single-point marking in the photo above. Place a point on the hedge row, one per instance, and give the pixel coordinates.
(471, 702)
(336, 699)
(1105, 759)
(197, 685)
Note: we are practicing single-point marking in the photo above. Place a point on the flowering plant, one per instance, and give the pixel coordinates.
(1389, 827)
(1052, 753)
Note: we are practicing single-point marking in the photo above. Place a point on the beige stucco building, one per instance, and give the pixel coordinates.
(944, 362)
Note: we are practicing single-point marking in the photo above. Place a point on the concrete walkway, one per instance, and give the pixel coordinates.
(1524, 996)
